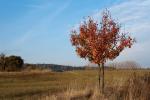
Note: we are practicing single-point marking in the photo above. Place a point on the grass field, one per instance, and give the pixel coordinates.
(34, 85)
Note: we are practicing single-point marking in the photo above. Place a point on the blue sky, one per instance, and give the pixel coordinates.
(39, 30)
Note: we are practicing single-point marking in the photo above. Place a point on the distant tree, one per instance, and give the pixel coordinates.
(99, 42)
(14, 63)
(10, 63)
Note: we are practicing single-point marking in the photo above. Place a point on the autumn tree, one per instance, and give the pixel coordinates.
(99, 42)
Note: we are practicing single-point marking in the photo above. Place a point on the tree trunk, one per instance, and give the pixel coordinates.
(102, 78)
(99, 76)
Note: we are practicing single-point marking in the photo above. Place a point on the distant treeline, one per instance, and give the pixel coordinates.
(60, 68)
(53, 67)
(125, 65)
(16, 63)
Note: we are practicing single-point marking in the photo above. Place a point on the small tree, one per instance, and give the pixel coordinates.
(99, 42)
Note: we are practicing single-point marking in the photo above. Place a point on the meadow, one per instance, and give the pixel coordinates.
(68, 85)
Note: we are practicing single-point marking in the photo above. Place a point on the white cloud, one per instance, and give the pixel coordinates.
(134, 15)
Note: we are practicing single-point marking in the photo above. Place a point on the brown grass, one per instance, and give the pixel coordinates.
(135, 88)
(74, 85)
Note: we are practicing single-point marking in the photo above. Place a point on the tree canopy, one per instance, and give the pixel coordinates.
(99, 42)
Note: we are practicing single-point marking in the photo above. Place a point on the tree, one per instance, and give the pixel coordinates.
(10, 63)
(14, 63)
(99, 42)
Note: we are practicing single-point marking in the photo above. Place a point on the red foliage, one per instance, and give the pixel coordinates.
(100, 42)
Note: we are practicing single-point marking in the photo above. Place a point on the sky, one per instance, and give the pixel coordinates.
(39, 30)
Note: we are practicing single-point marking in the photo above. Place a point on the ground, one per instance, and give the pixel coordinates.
(24, 85)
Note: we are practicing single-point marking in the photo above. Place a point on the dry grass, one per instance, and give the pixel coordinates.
(135, 88)
(74, 85)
